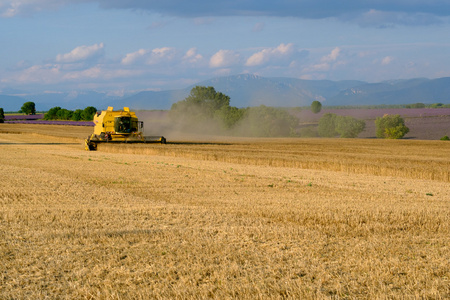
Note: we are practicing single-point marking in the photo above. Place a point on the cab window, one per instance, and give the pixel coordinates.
(122, 125)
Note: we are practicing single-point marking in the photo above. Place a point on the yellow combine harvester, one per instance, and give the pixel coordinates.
(118, 127)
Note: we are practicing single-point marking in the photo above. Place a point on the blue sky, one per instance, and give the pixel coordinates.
(123, 46)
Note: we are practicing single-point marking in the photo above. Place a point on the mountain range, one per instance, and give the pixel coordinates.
(251, 90)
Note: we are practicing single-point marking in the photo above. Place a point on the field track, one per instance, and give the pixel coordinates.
(222, 218)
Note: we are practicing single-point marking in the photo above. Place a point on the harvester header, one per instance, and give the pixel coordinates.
(120, 126)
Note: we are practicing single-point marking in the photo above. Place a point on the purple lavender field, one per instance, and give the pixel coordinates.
(24, 117)
(423, 123)
(37, 119)
(45, 122)
(307, 115)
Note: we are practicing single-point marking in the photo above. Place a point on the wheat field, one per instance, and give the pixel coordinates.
(222, 218)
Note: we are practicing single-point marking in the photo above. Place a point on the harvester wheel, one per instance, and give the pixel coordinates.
(163, 140)
(90, 146)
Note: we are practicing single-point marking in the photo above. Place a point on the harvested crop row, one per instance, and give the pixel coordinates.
(409, 159)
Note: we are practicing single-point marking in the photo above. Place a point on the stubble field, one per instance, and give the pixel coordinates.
(222, 218)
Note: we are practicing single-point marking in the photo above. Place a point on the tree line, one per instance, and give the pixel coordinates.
(207, 111)
(58, 113)
(380, 106)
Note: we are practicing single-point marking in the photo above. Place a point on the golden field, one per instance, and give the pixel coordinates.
(222, 218)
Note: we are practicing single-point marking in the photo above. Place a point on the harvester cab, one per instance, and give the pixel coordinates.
(118, 127)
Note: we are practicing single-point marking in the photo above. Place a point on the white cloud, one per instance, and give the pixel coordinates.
(365, 53)
(48, 73)
(192, 56)
(327, 62)
(150, 57)
(131, 58)
(389, 19)
(266, 55)
(11, 8)
(81, 53)
(94, 72)
(319, 67)
(364, 13)
(159, 55)
(387, 60)
(332, 56)
(222, 72)
(99, 72)
(224, 58)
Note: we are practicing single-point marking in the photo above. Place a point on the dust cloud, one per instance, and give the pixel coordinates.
(160, 123)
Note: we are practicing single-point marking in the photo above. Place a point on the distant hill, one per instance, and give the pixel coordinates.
(251, 90)
(395, 92)
(153, 100)
(71, 100)
(44, 101)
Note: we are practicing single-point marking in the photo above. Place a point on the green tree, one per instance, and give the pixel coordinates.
(204, 110)
(2, 115)
(228, 116)
(437, 105)
(29, 108)
(331, 125)
(309, 131)
(391, 127)
(88, 113)
(415, 105)
(264, 121)
(349, 127)
(316, 106)
(327, 125)
(202, 103)
(76, 116)
(52, 113)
